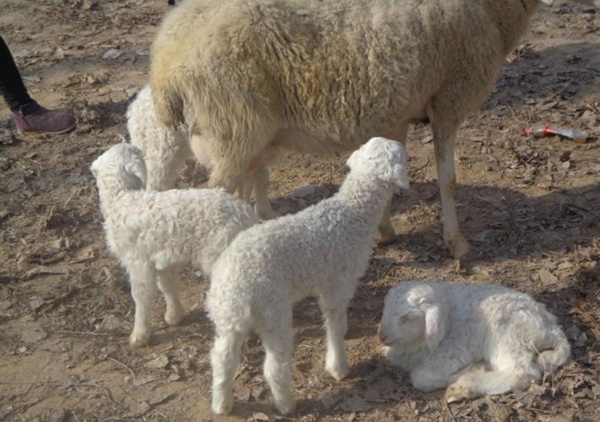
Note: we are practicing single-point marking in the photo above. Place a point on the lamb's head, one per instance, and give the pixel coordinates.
(384, 158)
(122, 163)
(413, 313)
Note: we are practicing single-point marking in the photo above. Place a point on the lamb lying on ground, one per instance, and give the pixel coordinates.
(444, 333)
(319, 252)
(323, 76)
(156, 234)
(166, 149)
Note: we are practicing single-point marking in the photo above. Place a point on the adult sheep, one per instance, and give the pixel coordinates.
(321, 76)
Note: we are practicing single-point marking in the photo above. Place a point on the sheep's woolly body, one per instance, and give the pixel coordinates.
(514, 337)
(321, 252)
(323, 76)
(156, 234)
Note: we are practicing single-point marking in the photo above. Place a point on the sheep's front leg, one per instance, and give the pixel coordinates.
(224, 359)
(444, 136)
(278, 340)
(168, 283)
(262, 205)
(336, 325)
(387, 234)
(143, 291)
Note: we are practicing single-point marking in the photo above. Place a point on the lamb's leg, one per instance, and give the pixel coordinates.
(444, 135)
(168, 283)
(336, 325)
(512, 369)
(439, 371)
(278, 340)
(143, 290)
(224, 358)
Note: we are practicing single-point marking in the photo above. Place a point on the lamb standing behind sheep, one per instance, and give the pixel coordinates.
(443, 333)
(166, 149)
(322, 76)
(155, 234)
(319, 252)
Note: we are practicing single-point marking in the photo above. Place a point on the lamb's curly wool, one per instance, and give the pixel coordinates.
(319, 252)
(321, 76)
(474, 339)
(156, 234)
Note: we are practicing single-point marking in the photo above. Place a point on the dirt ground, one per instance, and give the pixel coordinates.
(529, 207)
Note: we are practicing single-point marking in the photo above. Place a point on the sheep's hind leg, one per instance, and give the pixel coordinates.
(224, 358)
(168, 283)
(143, 290)
(444, 136)
(278, 339)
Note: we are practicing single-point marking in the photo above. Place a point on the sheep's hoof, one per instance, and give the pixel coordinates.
(455, 393)
(136, 341)
(458, 247)
(286, 407)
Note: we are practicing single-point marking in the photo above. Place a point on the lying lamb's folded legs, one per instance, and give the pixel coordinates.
(511, 370)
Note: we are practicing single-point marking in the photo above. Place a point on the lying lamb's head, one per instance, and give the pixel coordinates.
(124, 162)
(383, 157)
(413, 312)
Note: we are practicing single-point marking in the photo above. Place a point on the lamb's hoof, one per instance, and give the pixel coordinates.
(136, 341)
(175, 317)
(222, 406)
(339, 372)
(286, 407)
(455, 393)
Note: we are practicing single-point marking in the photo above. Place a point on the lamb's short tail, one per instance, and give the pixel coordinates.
(559, 351)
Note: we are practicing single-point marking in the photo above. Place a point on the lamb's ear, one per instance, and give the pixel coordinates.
(435, 326)
(137, 169)
(398, 176)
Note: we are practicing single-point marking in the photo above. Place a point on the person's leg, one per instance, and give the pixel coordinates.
(27, 114)
(11, 84)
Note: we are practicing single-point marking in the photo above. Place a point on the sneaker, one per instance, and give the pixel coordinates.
(32, 117)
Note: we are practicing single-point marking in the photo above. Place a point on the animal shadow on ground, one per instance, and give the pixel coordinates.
(500, 223)
(561, 73)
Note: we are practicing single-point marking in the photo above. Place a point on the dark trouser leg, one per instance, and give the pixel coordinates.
(11, 84)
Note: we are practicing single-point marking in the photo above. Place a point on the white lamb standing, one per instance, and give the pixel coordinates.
(322, 76)
(319, 252)
(156, 234)
(475, 340)
(166, 149)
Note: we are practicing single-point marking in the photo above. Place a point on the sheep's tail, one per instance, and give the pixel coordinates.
(559, 351)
